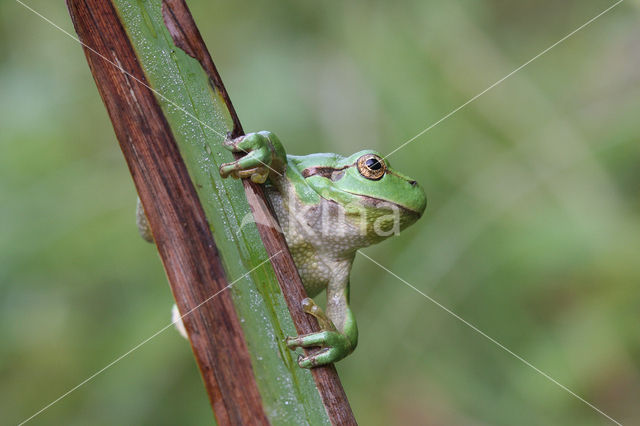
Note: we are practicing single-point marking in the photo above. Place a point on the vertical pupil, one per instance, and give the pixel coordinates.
(373, 164)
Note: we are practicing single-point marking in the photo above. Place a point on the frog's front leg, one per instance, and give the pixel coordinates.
(264, 155)
(339, 335)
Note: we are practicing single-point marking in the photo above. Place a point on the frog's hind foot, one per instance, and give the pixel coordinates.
(334, 345)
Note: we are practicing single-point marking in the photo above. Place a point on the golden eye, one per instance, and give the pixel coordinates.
(371, 166)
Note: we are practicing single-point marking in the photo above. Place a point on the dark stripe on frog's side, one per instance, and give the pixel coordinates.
(336, 173)
(328, 172)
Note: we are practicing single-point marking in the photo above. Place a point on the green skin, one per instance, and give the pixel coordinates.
(328, 207)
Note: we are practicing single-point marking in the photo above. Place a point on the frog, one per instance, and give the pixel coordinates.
(328, 206)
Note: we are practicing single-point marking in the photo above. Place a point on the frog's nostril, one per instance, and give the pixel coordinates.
(413, 182)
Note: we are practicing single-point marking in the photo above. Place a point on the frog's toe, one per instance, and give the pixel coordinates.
(229, 169)
(323, 357)
(257, 174)
(232, 144)
(309, 340)
(246, 143)
(255, 163)
(235, 169)
(334, 346)
(292, 342)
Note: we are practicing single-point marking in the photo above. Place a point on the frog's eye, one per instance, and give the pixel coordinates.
(371, 166)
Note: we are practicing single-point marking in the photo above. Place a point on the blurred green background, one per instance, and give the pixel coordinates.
(531, 233)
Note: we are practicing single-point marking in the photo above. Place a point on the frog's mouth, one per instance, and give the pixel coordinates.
(379, 203)
(337, 173)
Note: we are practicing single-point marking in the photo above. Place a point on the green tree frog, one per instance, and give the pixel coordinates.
(328, 206)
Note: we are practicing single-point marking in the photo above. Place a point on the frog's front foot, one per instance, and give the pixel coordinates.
(334, 345)
(260, 158)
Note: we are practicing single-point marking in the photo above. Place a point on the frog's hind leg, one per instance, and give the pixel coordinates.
(143, 224)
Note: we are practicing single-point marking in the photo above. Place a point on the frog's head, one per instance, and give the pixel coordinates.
(366, 182)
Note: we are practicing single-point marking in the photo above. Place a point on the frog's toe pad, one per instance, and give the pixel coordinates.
(230, 169)
(292, 342)
(322, 338)
(323, 357)
(232, 144)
